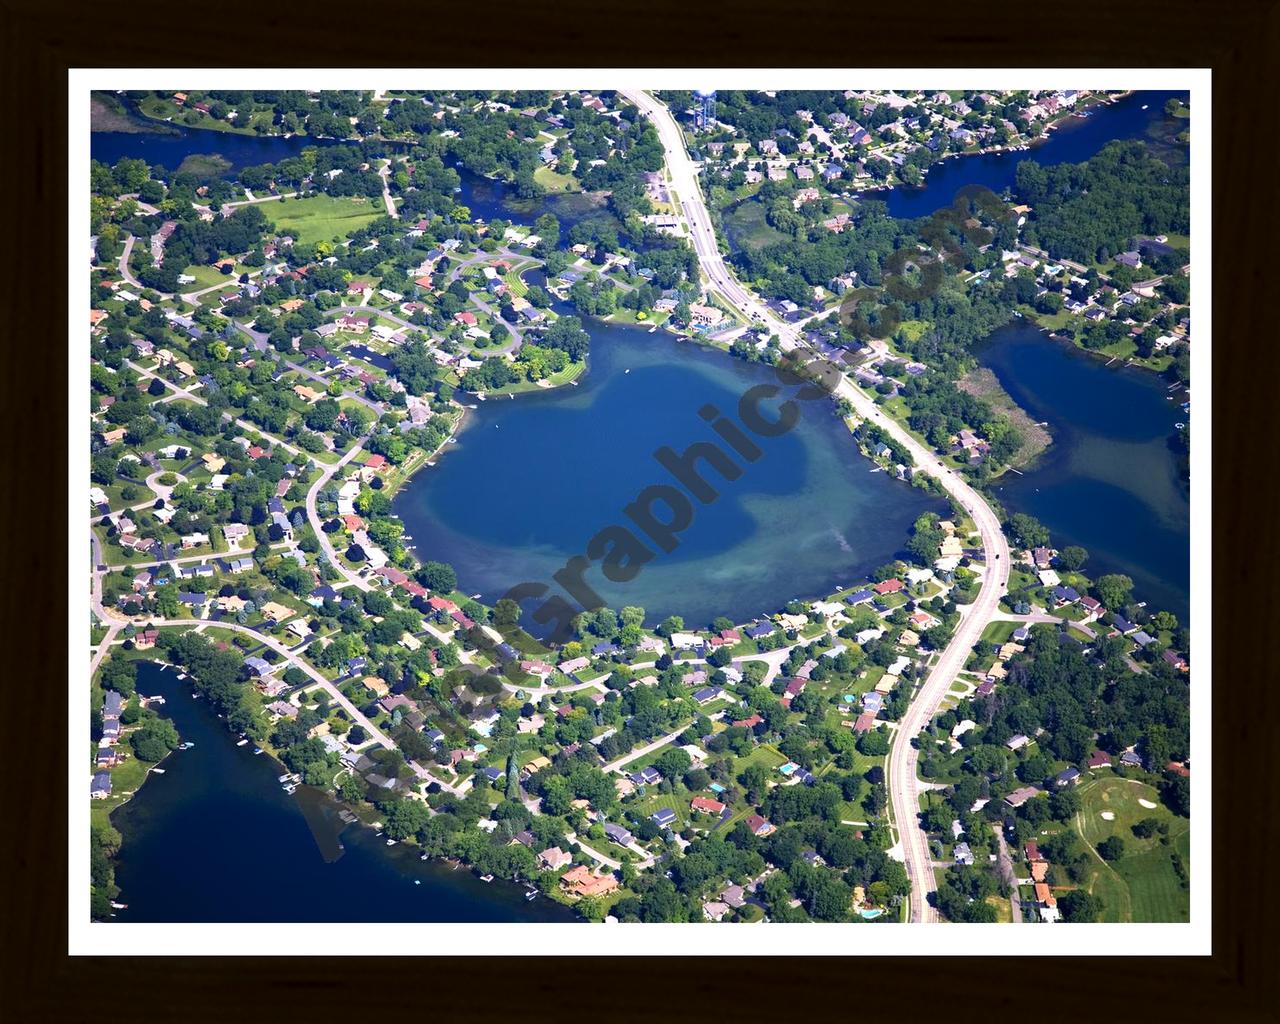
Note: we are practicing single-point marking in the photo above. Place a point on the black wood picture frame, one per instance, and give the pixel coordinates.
(1237, 39)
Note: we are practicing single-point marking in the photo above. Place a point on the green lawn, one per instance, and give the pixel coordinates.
(321, 218)
(1142, 885)
(998, 632)
(553, 181)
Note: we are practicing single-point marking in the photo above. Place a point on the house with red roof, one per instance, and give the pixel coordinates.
(702, 803)
(466, 318)
(890, 586)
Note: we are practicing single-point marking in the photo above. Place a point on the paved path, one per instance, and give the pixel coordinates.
(1007, 873)
(317, 524)
(648, 748)
(384, 172)
(904, 785)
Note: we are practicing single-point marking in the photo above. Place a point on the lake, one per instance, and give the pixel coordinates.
(530, 481)
(1073, 141)
(1110, 482)
(215, 838)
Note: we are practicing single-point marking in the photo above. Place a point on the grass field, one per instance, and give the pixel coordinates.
(747, 226)
(553, 181)
(320, 218)
(1142, 885)
(998, 632)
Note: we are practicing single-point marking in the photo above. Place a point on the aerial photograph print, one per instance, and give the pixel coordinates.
(540, 506)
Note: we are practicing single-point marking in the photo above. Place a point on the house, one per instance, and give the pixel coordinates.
(1017, 742)
(1021, 795)
(1130, 759)
(759, 630)
(1142, 638)
(759, 826)
(1176, 660)
(706, 805)
(865, 723)
(579, 881)
(889, 586)
(1067, 777)
(860, 596)
(617, 834)
(962, 854)
(714, 910)
(663, 817)
(707, 694)
(276, 613)
(646, 776)
(1093, 608)
(1130, 259)
(258, 665)
(1099, 759)
(553, 859)
(100, 787)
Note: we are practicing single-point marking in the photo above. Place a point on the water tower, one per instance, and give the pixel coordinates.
(706, 109)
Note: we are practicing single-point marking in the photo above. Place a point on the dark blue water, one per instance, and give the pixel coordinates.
(1110, 482)
(1073, 141)
(169, 150)
(488, 199)
(216, 839)
(530, 481)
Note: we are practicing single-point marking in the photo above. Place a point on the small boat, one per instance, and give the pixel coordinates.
(391, 842)
(286, 777)
(155, 700)
(531, 894)
(486, 878)
(1144, 106)
(257, 750)
(417, 881)
(185, 746)
(119, 906)
(158, 771)
(291, 788)
(424, 857)
(1180, 426)
(182, 675)
(242, 743)
(653, 328)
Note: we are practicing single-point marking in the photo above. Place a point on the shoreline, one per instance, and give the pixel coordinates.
(1029, 146)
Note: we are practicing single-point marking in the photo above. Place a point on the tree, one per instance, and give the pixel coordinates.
(1111, 848)
(1113, 590)
(1073, 557)
(439, 576)
(1027, 531)
(1079, 905)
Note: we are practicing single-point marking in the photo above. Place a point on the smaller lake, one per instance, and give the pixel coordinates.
(488, 199)
(215, 838)
(170, 149)
(1139, 115)
(531, 480)
(1111, 482)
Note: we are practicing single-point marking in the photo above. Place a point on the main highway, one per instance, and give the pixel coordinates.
(903, 781)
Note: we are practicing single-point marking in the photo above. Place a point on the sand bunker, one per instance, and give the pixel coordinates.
(1108, 815)
(1147, 804)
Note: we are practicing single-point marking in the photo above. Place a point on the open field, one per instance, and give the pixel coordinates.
(320, 218)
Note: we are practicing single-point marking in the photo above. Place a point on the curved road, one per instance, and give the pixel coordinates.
(904, 784)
